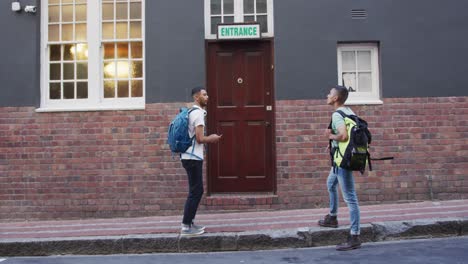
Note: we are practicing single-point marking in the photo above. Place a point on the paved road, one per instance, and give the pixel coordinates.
(447, 250)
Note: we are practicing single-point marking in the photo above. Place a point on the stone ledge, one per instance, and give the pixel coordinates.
(258, 240)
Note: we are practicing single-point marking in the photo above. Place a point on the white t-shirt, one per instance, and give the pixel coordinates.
(196, 118)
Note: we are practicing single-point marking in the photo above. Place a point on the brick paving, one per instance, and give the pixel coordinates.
(229, 222)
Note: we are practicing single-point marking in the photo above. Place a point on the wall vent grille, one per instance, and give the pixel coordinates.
(358, 14)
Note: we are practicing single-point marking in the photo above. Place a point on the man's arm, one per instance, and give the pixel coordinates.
(201, 138)
(342, 135)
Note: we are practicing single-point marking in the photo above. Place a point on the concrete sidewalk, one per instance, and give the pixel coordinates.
(231, 231)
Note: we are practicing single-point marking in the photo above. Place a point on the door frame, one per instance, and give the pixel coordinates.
(272, 114)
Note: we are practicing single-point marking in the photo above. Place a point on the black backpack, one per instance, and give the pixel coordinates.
(353, 154)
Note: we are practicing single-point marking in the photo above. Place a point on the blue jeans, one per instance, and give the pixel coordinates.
(346, 181)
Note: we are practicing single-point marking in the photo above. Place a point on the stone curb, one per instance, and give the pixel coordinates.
(259, 240)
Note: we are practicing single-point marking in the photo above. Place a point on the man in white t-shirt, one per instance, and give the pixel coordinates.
(192, 161)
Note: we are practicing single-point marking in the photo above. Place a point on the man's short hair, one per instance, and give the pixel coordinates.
(197, 89)
(342, 93)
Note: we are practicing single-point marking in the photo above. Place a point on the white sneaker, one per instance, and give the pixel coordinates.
(187, 230)
(194, 226)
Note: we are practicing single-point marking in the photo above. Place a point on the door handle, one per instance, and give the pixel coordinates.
(267, 123)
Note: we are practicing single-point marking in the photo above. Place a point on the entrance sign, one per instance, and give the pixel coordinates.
(239, 31)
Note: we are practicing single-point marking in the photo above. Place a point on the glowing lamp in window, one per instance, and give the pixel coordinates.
(118, 69)
(79, 51)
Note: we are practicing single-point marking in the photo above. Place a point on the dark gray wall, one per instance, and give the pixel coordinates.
(423, 45)
(175, 49)
(175, 52)
(20, 59)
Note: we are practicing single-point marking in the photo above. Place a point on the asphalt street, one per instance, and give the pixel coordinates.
(427, 251)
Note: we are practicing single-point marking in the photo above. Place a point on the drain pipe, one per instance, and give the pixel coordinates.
(431, 193)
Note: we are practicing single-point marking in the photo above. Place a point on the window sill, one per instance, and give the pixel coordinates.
(88, 109)
(364, 102)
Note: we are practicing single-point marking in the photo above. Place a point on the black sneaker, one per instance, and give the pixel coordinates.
(353, 242)
(329, 221)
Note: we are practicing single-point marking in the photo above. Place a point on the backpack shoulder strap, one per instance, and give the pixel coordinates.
(188, 114)
(341, 113)
(192, 109)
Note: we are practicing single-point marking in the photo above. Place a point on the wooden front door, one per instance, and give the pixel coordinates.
(241, 108)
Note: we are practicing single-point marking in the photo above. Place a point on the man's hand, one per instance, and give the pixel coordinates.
(214, 138)
(202, 139)
(327, 133)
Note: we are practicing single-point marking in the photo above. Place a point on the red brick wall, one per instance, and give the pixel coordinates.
(116, 163)
(427, 136)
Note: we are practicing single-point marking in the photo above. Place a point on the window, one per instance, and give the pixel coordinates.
(358, 69)
(93, 55)
(238, 11)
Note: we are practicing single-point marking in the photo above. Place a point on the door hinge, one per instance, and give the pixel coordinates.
(272, 66)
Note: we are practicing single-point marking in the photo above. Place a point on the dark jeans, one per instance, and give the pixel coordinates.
(195, 180)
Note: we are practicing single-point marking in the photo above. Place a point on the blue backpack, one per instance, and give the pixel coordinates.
(178, 136)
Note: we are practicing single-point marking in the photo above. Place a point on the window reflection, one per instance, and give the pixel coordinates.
(68, 71)
(54, 32)
(135, 10)
(137, 88)
(122, 50)
(109, 51)
(67, 13)
(228, 7)
(82, 71)
(262, 20)
(108, 30)
(55, 71)
(135, 29)
(122, 89)
(121, 11)
(137, 69)
(121, 30)
(54, 92)
(80, 33)
(224, 11)
(68, 90)
(80, 12)
(215, 7)
(67, 32)
(107, 11)
(137, 50)
(249, 6)
(261, 6)
(109, 89)
(82, 90)
(122, 60)
(54, 13)
(55, 53)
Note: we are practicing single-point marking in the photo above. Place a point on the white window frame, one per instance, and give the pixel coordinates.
(239, 18)
(359, 98)
(95, 100)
